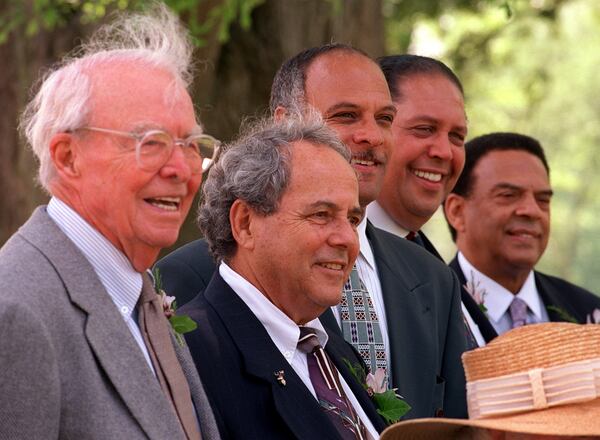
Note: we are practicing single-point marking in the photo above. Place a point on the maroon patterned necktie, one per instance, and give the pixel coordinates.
(324, 377)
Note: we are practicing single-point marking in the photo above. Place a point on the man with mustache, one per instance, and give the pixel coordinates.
(412, 301)
(499, 217)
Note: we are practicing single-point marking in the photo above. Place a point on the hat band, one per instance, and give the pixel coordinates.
(534, 389)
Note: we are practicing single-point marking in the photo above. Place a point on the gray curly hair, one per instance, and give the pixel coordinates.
(256, 169)
(61, 104)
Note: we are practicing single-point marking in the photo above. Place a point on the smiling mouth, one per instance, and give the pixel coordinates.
(431, 177)
(523, 234)
(363, 162)
(165, 203)
(332, 266)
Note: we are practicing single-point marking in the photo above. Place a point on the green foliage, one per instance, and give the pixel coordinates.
(53, 14)
(535, 72)
(182, 324)
(564, 315)
(390, 407)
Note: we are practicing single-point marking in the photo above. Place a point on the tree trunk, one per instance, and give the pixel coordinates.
(25, 58)
(233, 80)
(237, 83)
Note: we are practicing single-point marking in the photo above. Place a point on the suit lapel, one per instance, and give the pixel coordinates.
(108, 336)
(295, 404)
(428, 245)
(408, 313)
(552, 298)
(338, 353)
(485, 327)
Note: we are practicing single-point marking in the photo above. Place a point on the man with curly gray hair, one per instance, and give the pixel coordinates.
(413, 329)
(280, 212)
(86, 349)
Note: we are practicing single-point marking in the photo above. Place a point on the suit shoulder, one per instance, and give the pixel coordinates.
(194, 254)
(567, 288)
(410, 254)
(25, 272)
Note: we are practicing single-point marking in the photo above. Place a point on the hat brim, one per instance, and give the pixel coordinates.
(582, 419)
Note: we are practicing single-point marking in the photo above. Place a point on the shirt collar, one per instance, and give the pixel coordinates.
(497, 298)
(283, 331)
(117, 275)
(365, 246)
(377, 215)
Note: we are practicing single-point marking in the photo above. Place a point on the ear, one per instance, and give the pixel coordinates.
(240, 218)
(280, 113)
(454, 211)
(64, 155)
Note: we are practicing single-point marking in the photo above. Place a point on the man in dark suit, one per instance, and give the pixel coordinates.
(415, 296)
(499, 217)
(426, 159)
(279, 212)
(75, 362)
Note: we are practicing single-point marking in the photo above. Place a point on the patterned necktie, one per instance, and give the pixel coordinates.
(324, 377)
(360, 324)
(518, 312)
(155, 331)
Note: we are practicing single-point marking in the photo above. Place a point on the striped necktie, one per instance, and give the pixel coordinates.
(324, 377)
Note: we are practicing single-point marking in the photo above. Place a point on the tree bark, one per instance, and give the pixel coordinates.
(233, 80)
(237, 83)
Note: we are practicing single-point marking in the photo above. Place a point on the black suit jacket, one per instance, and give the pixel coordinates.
(422, 302)
(186, 271)
(425, 327)
(556, 292)
(237, 361)
(487, 330)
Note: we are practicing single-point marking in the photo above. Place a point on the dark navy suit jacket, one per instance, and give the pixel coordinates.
(239, 364)
(422, 303)
(487, 330)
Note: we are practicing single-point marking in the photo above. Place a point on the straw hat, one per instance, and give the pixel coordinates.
(538, 379)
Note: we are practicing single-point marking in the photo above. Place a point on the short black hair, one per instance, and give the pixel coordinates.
(288, 88)
(397, 67)
(480, 146)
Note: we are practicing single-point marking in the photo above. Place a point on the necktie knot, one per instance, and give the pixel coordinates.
(308, 341)
(148, 293)
(518, 312)
(411, 236)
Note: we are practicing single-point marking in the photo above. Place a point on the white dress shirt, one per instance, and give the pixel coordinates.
(380, 218)
(121, 281)
(497, 299)
(285, 334)
(367, 271)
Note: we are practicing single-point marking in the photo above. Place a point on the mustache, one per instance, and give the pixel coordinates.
(373, 155)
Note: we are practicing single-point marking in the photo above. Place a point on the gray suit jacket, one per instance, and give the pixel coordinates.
(69, 366)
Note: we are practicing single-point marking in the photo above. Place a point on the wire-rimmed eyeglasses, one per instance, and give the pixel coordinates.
(154, 148)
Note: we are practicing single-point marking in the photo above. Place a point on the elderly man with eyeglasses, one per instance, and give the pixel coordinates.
(86, 350)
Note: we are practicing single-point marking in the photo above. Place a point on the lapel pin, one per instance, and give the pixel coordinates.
(280, 377)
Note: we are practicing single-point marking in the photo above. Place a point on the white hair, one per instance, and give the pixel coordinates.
(155, 38)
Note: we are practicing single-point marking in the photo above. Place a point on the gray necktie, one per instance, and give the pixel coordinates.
(360, 323)
(518, 312)
(155, 331)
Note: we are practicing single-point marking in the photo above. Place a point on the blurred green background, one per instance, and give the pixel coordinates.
(526, 65)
